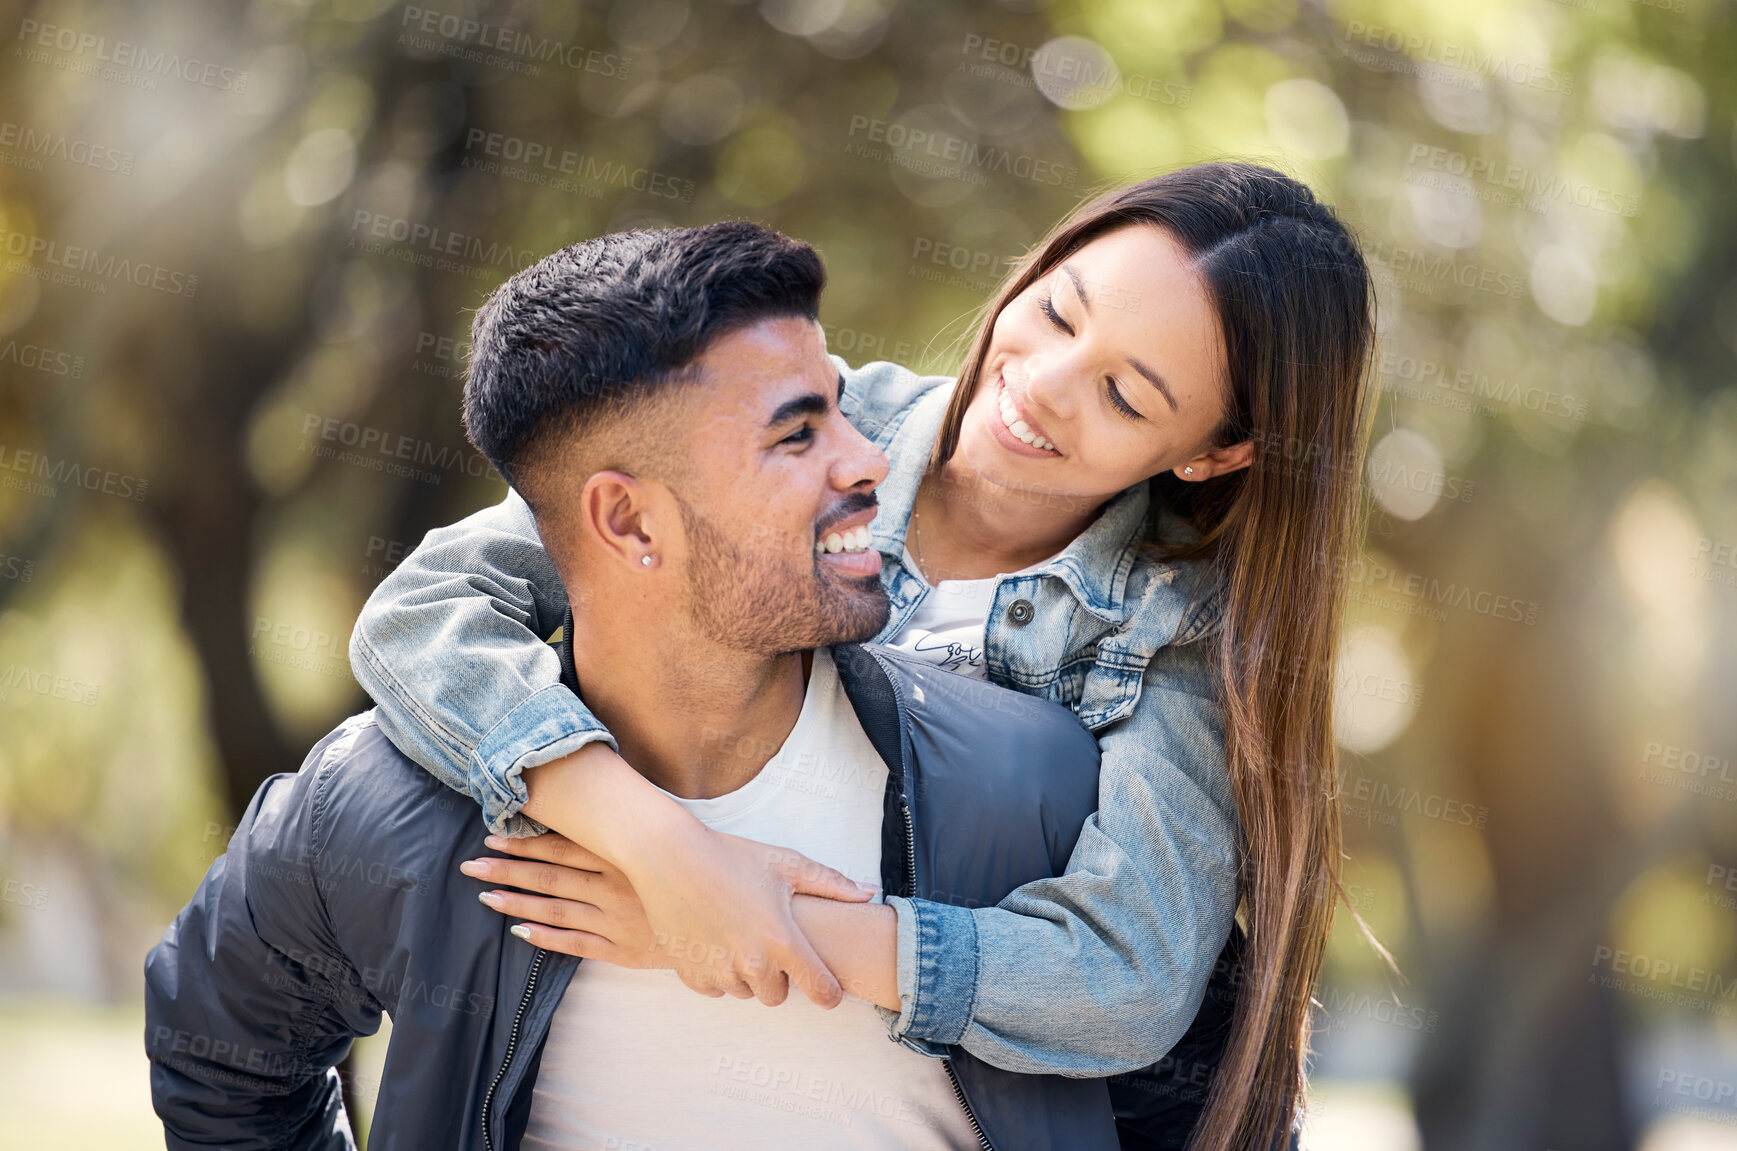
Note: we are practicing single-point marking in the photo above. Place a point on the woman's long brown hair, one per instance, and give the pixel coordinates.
(1296, 310)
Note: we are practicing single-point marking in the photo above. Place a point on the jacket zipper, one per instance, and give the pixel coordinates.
(959, 1094)
(911, 891)
(910, 850)
(512, 1046)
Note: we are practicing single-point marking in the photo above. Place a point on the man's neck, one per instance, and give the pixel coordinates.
(697, 720)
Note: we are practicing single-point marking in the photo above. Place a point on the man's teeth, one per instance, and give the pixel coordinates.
(1010, 417)
(854, 541)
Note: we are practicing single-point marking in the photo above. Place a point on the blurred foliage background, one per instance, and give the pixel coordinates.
(239, 246)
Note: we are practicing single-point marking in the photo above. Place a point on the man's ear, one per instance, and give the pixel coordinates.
(621, 515)
(1216, 462)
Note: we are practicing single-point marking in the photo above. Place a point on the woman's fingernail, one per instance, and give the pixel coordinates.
(522, 931)
(474, 867)
(496, 842)
(489, 899)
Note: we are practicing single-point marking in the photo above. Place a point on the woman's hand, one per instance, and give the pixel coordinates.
(719, 906)
(585, 906)
(723, 904)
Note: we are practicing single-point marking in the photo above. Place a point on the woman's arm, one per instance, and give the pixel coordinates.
(1119, 949)
(585, 906)
(451, 644)
(451, 647)
(1095, 972)
(448, 645)
(1101, 970)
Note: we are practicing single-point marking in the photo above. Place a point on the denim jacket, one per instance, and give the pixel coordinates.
(1095, 972)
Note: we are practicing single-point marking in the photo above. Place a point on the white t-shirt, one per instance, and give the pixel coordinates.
(947, 628)
(637, 1062)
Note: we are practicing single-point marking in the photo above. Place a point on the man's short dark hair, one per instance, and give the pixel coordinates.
(591, 333)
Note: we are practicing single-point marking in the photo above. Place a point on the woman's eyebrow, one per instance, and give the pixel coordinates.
(1079, 286)
(1157, 380)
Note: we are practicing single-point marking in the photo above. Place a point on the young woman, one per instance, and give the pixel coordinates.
(1134, 501)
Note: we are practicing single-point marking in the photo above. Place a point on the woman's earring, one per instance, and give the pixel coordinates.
(1187, 471)
(646, 560)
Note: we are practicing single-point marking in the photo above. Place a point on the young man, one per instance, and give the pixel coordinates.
(664, 403)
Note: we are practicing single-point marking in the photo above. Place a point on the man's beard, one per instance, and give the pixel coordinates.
(759, 601)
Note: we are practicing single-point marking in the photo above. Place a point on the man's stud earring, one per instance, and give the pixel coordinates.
(1187, 471)
(646, 560)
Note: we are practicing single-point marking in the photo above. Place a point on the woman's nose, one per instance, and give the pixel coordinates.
(1047, 383)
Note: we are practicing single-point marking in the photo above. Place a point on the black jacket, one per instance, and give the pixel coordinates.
(340, 897)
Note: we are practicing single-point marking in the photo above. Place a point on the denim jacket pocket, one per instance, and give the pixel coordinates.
(1112, 687)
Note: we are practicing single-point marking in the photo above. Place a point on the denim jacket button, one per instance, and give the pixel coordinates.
(1020, 611)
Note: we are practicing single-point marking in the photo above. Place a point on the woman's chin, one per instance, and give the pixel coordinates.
(994, 467)
(992, 464)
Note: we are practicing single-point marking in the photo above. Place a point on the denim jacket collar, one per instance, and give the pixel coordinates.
(907, 444)
(1095, 566)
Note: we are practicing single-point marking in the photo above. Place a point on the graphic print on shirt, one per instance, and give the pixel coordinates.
(949, 655)
(948, 627)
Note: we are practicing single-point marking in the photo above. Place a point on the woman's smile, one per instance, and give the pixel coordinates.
(1004, 415)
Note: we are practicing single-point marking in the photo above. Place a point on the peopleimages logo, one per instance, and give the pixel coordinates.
(1375, 794)
(48, 473)
(133, 57)
(1422, 272)
(1664, 980)
(1440, 59)
(29, 895)
(501, 45)
(1465, 389)
(48, 683)
(546, 165)
(1102, 76)
(1530, 189)
(1341, 1007)
(382, 451)
(35, 146)
(77, 259)
(429, 246)
(919, 149)
(38, 358)
(971, 268)
(1412, 593)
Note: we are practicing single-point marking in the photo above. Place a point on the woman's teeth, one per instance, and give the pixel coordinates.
(1010, 417)
(854, 541)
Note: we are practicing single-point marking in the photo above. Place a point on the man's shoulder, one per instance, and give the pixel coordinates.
(970, 712)
(1000, 782)
(357, 788)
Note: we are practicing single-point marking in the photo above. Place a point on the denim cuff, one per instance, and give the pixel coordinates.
(937, 976)
(546, 727)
